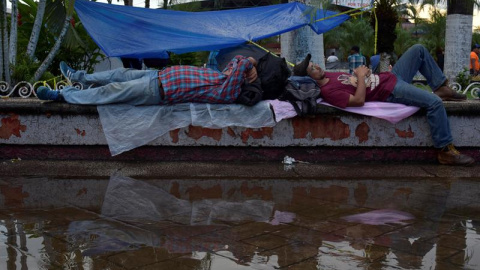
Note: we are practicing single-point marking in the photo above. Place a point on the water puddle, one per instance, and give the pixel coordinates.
(126, 223)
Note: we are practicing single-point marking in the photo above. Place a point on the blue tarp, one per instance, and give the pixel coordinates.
(124, 31)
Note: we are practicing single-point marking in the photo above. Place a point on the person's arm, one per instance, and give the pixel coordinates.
(252, 73)
(236, 71)
(358, 99)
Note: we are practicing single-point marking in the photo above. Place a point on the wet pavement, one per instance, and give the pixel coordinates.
(238, 216)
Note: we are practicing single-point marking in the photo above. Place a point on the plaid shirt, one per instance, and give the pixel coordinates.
(202, 85)
(356, 60)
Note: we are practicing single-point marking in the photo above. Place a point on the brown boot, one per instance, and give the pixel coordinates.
(448, 94)
(450, 156)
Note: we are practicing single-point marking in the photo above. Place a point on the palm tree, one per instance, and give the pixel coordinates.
(32, 44)
(386, 17)
(434, 37)
(4, 71)
(69, 8)
(352, 32)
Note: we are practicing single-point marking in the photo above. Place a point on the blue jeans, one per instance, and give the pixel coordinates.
(127, 86)
(415, 59)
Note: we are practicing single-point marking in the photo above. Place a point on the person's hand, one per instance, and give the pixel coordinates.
(253, 61)
(252, 75)
(362, 71)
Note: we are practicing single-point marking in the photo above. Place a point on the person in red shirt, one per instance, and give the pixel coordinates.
(345, 90)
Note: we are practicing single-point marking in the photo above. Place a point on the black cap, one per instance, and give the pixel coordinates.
(300, 69)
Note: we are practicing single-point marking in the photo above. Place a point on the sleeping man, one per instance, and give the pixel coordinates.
(344, 90)
(176, 84)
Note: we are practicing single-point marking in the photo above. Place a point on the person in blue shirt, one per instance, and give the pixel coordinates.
(355, 59)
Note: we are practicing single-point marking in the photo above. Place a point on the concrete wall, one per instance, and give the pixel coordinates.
(46, 124)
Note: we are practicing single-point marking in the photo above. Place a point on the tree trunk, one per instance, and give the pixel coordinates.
(384, 64)
(48, 60)
(298, 43)
(4, 63)
(37, 26)
(3, 11)
(458, 37)
(13, 33)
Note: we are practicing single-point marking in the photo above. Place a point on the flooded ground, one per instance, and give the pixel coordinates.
(123, 222)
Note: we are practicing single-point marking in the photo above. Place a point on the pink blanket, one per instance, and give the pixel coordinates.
(391, 112)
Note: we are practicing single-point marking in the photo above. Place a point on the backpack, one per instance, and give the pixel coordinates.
(251, 93)
(302, 92)
(273, 73)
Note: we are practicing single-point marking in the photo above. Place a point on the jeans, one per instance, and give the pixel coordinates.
(417, 58)
(127, 86)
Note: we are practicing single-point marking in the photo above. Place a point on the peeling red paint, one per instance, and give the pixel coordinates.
(256, 191)
(403, 192)
(174, 135)
(82, 191)
(330, 194)
(320, 127)
(196, 133)
(362, 131)
(175, 189)
(256, 133)
(405, 133)
(11, 126)
(197, 192)
(231, 132)
(361, 194)
(13, 196)
(81, 132)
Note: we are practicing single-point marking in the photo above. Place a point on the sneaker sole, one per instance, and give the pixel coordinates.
(465, 164)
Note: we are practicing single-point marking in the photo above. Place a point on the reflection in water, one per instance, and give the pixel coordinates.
(125, 223)
(380, 217)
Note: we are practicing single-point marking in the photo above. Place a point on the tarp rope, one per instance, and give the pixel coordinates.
(338, 14)
(265, 49)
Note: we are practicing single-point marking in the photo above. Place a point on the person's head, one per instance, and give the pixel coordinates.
(355, 49)
(476, 48)
(307, 68)
(333, 53)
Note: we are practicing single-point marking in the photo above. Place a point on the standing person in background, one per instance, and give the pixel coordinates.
(332, 58)
(332, 62)
(474, 63)
(355, 59)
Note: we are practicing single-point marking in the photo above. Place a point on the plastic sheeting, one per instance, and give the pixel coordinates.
(127, 127)
(125, 31)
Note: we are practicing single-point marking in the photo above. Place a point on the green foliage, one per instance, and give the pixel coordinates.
(404, 41)
(356, 31)
(463, 78)
(25, 69)
(191, 59)
(476, 37)
(434, 37)
(78, 48)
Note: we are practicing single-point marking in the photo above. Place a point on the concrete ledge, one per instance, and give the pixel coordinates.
(34, 129)
(34, 105)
